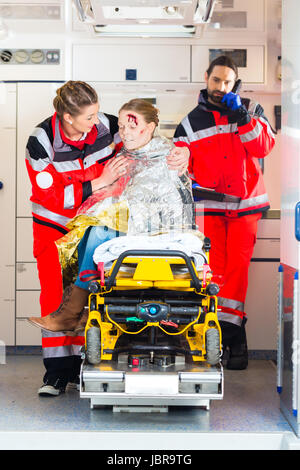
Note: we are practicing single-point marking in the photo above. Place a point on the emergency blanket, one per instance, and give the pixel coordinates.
(149, 199)
(157, 198)
(191, 244)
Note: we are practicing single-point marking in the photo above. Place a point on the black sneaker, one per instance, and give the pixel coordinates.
(53, 388)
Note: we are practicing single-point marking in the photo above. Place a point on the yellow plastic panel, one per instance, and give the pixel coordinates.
(153, 269)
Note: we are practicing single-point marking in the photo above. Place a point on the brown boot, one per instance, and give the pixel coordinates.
(66, 317)
(81, 324)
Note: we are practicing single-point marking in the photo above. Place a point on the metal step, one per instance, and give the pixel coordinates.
(151, 385)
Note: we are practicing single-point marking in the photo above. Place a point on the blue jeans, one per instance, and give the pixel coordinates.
(93, 237)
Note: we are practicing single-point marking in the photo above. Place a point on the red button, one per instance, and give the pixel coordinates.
(135, 361)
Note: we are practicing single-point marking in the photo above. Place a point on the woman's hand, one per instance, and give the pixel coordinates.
(178, 159)
(113, 170)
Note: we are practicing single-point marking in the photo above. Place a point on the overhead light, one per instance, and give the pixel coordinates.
(144, 30)
(171, 10)
(172, 18)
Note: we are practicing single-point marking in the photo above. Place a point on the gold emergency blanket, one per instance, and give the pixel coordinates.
(114, 217)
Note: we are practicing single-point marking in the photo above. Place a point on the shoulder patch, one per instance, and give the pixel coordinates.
(44, 180)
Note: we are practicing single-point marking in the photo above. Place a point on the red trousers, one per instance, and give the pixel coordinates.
(232, 243)
(50, 276)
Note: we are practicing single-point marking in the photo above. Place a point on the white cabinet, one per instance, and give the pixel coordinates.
(24, 240)
(27, 305)
(141, 63)
(34, 104)
(238, 28)
(252, 60)
(174, 102)
(26, 334)
(8, 212)
(261, 301)
(26, 276)
(239, 16)
(261, 305)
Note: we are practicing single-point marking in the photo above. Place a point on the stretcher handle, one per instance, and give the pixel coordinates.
(167, 253)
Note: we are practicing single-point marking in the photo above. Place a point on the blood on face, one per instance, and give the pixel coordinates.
(132, 118)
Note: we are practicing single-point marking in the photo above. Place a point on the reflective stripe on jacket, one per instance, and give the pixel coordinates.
(224, 155)
(61, 174)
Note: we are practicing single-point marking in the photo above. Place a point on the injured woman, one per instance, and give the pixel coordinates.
(149, 206)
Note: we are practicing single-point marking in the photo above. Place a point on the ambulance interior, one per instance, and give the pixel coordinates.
(158, 50)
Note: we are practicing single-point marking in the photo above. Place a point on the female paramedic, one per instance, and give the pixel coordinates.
(68, 158)
(149, 179)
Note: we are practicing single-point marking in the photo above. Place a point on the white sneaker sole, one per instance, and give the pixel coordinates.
(48, 390)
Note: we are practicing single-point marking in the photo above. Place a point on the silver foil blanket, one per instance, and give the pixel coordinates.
(158, 199)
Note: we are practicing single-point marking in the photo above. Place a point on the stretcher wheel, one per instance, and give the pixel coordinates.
(93, 345)
(212, 339)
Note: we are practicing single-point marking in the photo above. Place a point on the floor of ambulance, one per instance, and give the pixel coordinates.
(248, 415)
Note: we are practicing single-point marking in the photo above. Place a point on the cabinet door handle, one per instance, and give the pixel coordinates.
(297, 221)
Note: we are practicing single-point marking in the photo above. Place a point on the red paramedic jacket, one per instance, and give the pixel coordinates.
(61, 171)
(224, 154)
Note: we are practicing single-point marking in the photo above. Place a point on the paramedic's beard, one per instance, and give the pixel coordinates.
(215, 97)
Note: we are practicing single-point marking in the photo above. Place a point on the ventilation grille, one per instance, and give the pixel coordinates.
(30, 11)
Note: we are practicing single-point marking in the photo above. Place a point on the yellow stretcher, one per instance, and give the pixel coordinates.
(151, 314)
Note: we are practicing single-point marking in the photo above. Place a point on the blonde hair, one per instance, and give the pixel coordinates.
(143, 107)
(72, 97)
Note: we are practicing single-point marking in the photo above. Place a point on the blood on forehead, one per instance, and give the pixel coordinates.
(132, 118)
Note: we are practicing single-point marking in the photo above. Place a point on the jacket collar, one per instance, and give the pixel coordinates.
(205, 105)
(62, 144)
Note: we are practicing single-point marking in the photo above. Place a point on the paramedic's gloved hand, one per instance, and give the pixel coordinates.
(232, 101)
(179, 159)
(234, 104)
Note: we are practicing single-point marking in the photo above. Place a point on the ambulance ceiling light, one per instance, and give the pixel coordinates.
(125, 17)
(144, 29)
(171, 10)
(107, 12)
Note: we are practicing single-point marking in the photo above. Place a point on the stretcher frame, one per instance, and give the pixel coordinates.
(153, 376)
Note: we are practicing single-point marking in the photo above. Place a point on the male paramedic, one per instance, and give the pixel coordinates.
(226, 135)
